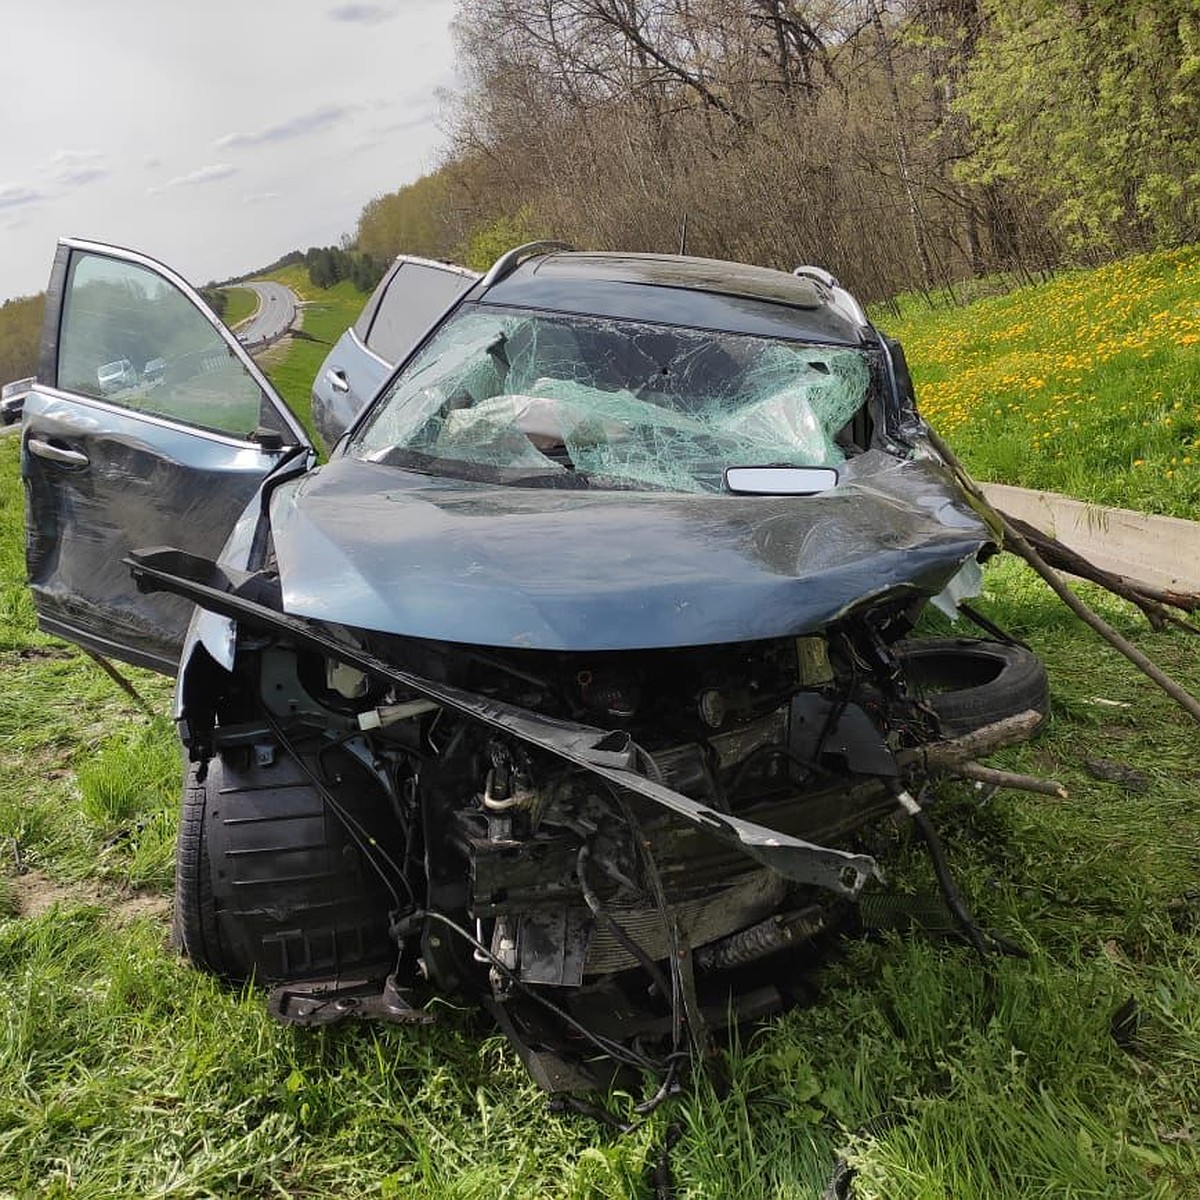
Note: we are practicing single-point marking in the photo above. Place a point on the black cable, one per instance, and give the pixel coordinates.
(838, 710)
(990, 627)
(362, 838)
(954, 899)
(607, 1046)
(660, 899)
(779, 751)
(665, 1092)
(602, 914)
(664, 1182)
(654, 771)
(402, 820)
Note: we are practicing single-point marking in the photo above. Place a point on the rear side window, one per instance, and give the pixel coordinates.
(415, 296)
(363, 325)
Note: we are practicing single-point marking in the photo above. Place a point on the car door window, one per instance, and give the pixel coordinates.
(362, 326)
(414, 297)
(131, 339)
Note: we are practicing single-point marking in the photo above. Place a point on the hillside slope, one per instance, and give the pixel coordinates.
(1088, 384)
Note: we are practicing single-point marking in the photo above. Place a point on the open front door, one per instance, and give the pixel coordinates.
(149, 425)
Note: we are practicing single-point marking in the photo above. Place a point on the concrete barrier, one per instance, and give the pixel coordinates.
(1164, 551)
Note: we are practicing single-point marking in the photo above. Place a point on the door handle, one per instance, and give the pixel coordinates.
(58, 454)
(337, 379)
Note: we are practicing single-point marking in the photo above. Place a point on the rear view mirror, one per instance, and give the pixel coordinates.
(779, 481)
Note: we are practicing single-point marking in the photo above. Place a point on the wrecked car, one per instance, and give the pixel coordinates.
(579, 677)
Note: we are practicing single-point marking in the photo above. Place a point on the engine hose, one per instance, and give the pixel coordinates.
(941, 868)
(601, 914)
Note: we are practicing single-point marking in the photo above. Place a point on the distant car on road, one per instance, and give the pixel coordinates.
(391, 324)
(154, 370)
(12, 399)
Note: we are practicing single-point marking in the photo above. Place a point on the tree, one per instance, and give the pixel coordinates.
(1092, 109)
(20, 333)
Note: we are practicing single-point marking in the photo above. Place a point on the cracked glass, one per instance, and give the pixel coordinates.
(571, 401)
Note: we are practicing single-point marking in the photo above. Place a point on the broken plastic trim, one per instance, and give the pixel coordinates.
(606, 753)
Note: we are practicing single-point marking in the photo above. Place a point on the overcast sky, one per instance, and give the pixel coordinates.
(214, 136)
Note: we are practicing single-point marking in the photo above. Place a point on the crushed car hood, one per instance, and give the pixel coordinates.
(377, 547)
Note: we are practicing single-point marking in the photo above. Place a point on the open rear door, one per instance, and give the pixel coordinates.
(148, 425)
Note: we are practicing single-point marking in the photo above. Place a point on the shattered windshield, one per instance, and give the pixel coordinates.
(562, 400)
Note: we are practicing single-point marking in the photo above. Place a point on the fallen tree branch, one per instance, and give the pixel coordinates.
(1007, 779)
(1155, 602)
(942, 756)
(1020, 546)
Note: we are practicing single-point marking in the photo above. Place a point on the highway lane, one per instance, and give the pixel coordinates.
(276, 313)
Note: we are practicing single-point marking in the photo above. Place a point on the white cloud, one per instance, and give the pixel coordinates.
(208, 174)
(361, 14)
(15, 195)
(133, 96)
(260, 198)
(72, 168)
(299, 126)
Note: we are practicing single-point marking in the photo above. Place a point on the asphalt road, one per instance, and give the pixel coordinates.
(276, 313)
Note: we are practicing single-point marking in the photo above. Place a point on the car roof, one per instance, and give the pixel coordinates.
(678, 290)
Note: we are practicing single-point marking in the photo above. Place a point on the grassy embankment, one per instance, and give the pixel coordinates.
(124, 1073)
(240, 303)
(1088, 385)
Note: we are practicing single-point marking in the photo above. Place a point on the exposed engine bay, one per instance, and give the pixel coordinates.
(599, 928)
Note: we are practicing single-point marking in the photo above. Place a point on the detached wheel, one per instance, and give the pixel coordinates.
(269, 884)
(971, 683)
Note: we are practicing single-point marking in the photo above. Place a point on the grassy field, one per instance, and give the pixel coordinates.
(123, 1072)
(240, 303)
(1088, 384)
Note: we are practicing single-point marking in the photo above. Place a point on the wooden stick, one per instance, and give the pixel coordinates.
(119, 680)
(940, 756)
(1007, 779)
(1021, 547)
(1155, 602)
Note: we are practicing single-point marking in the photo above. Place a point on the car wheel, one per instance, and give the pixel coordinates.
(270, 885)
(971, 683)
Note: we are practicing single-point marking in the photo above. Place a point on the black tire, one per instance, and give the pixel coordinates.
(970, 683)
(270, 886)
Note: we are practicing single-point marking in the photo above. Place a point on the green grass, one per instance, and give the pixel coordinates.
(240, 303)
(327, 314)
(123, 1072)
(1088, 384)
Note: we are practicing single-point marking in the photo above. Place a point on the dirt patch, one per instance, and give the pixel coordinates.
(34, 893)
(275, 353)
(51, 652)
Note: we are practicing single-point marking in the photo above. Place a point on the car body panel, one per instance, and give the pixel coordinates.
(384, 549)
(695, 293)
(102, 478)
(351, 364)
(409, 299)
(12, 399)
